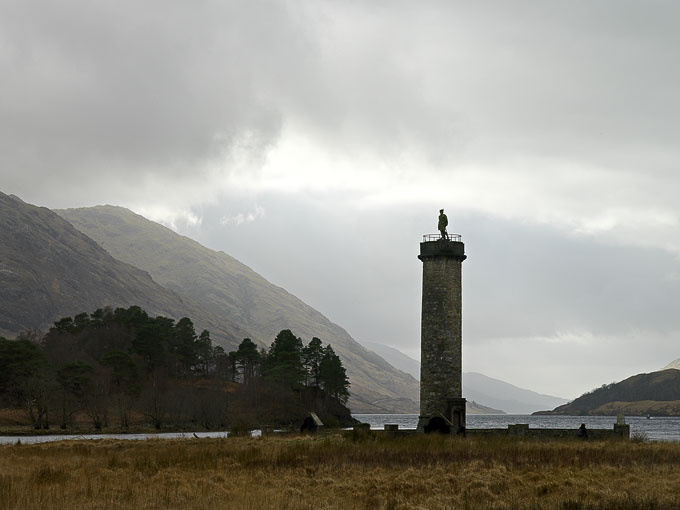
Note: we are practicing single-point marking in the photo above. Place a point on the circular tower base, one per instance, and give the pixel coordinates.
(450, 422)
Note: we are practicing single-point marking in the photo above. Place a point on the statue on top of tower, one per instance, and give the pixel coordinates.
(443, 223)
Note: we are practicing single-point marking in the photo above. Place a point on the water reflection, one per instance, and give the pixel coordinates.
(131, 437)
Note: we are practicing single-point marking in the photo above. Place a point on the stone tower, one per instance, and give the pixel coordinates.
(442, 407)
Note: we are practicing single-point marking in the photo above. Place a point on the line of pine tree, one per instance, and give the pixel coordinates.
(124, 362)
(290, 363)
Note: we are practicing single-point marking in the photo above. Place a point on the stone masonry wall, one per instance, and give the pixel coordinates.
(523, 431)
(441, 326)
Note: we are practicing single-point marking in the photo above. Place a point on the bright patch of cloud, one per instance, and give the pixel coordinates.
(170, 217)
(241, 218)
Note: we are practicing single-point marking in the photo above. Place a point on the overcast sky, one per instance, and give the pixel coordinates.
(316, 141)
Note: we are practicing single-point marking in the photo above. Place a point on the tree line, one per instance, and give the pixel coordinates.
(117, 367)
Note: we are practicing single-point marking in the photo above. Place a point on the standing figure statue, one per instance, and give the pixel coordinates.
(443, 223)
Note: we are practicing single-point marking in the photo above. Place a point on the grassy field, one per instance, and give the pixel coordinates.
(341, 472)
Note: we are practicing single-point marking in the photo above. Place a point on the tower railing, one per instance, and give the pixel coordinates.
(438, 237)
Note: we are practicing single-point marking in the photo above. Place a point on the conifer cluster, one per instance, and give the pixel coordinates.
(122, 366)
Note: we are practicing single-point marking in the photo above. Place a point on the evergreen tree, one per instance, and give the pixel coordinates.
(133, 317)
(74, 380)
(184, 346)
(232, 366)
(81, 321)
(205, 359)
(312, 354)
(151, 341)
(26, 379)
(123, 358)
(248, 360)
(221, 361)
(332, 375)
(124, 383)
(65, 324)
(283, 364)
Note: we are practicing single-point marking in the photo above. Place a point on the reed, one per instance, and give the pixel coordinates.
(338, 472)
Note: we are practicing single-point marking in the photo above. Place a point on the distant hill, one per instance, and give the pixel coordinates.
(655, 393)
(487, 393)
(501, 395)
(396, 358)
(239, 296)
(472, 407)
(49, 270)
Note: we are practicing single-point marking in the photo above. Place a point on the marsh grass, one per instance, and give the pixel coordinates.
(639, 436)
(340, 472)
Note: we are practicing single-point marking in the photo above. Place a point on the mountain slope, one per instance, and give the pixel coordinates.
(49, 270)
(234, 292)
(396, 358)
(501, 395)
(472, 407)
(673, 364)
(653, 393)
(484, 391)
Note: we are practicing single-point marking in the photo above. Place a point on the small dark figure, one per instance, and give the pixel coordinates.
(582, 432)
(443, 223)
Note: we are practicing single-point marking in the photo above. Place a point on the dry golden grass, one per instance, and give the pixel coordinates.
(336, 472)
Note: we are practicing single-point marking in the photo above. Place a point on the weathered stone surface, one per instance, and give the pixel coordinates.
(441, 332)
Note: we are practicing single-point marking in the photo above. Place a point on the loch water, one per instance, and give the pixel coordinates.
(49, 438)
(660, 428)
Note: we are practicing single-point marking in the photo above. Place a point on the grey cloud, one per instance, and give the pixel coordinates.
(519, 280)
(560, 314)
(525, 280)
(128, 102)
(167, 87)
(542, 310)
(160, 86)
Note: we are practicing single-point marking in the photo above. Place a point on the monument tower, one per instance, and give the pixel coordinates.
(442, 407)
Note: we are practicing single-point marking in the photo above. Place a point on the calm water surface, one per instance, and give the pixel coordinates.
(657, 429)
(132, 437)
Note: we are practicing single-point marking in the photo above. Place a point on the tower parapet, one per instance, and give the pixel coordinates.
(442, 406)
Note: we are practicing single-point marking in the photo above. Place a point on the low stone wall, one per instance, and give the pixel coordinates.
(522, 430)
